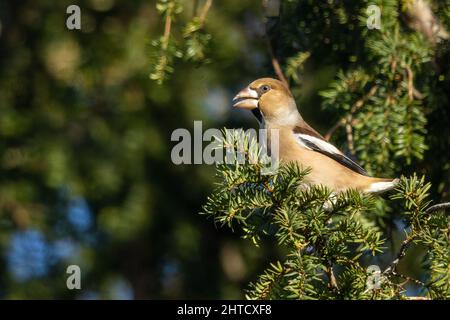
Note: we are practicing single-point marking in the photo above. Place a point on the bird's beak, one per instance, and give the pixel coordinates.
(246, 99)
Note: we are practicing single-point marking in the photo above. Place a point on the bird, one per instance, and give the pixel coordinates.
(274, 107)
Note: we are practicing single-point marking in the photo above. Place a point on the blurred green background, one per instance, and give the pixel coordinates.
(85, 171)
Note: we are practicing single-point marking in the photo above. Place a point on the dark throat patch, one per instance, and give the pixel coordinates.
(258, 115)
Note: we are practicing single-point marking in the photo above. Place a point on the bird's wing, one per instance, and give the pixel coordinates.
(310, 139)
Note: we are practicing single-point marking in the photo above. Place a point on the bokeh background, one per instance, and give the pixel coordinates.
(86, 176)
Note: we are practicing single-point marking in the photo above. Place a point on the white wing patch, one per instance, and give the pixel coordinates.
(321, 144)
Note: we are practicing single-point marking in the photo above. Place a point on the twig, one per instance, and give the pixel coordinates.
(204, 12)
(355, 107)
(402, 252)
(417, 94)
(349, 131)
(333, 283)
(410, 77)
(200, 19)
(392, 269)
(167, 27)
(272, 10)
(412, 91)
(334, 128)
(275, 64)
(437, 207)
(418, 282)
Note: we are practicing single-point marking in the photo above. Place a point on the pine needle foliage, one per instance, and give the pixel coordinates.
(326, 242)
(187, 41)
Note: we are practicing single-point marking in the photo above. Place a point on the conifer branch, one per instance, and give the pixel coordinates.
(401, 254)
(348, 119)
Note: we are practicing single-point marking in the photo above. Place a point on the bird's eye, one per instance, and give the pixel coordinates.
(265, 88)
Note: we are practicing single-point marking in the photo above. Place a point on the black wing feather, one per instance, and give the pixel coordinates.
(342, 159)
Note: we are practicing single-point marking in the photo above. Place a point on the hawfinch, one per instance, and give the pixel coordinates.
(273, 105)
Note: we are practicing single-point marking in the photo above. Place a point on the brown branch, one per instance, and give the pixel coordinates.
(392, 269)
(349, 131)
(408, 279)
(275, 64)
(204, 12)
(333, 283)
(167, 27)
(437, 207)
(417, 94)
(200, 19)
(410, 77)
(420, 17)
(402, 252)
(412, 91)
(272, 10)
(334, 128)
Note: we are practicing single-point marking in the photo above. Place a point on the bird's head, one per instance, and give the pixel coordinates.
(269, 96)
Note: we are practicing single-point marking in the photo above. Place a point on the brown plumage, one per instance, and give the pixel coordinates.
(274, 106)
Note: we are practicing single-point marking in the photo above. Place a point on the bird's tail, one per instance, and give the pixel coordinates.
(381, 185)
